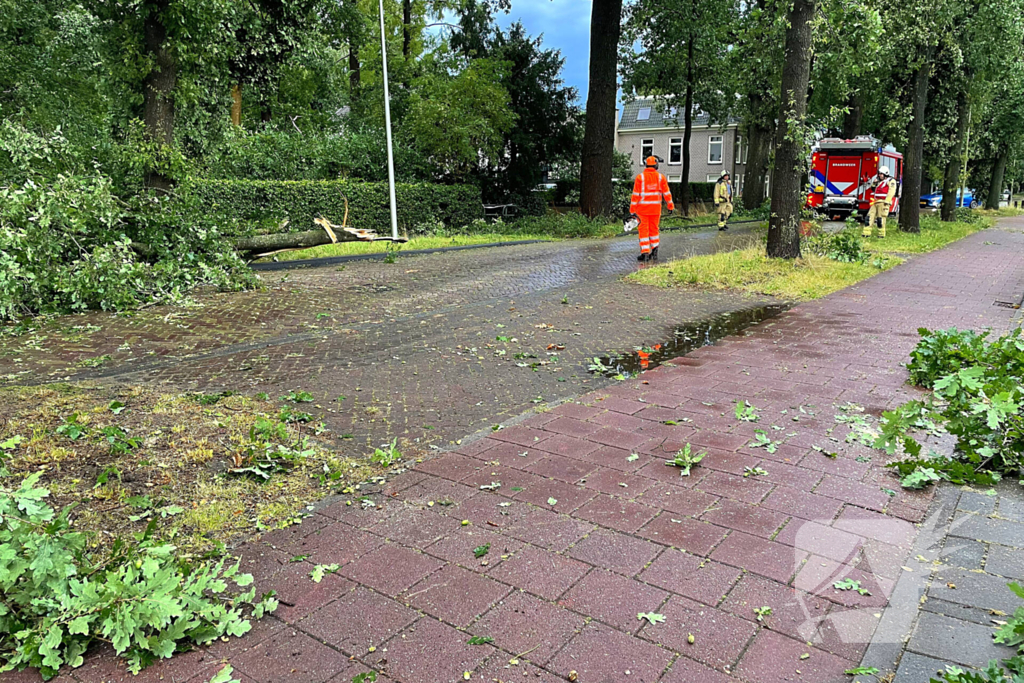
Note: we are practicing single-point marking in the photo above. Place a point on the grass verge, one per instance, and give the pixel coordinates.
(749, 270)
(210, 469)
(813, 276)
(934, 235)
(426, 242)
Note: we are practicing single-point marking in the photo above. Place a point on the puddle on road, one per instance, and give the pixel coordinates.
(686, 338)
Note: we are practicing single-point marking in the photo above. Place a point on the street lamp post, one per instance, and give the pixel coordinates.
(387, 124)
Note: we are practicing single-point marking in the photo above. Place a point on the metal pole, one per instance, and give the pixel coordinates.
(387, 124)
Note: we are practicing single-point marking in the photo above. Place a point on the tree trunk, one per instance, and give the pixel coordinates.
(787, 199)
(354, 69)
(599, 136)
(951, 181)
(913, 163)
(406, 29)
(288, 240)
(684, 195)
(995, 190)
(755, 171)
(236, 104)
(158, 88)
(854, 118)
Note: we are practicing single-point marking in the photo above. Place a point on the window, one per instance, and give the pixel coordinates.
(739, 183)
(672, 113)
(715, 149)
(643, 114)
(646, 149)
(712, 177)
(675, 151)
(889, 163)
(675, 178)
(741, 150)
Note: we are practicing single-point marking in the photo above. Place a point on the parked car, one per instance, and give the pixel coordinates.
(934, 201)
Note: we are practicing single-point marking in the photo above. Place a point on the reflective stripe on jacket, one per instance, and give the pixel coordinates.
(723, 192)
(648, 190)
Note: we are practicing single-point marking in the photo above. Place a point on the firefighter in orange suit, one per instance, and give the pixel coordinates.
(882, 193)
(649, 188)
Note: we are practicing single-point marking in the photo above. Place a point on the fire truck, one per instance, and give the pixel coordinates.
(843, 172)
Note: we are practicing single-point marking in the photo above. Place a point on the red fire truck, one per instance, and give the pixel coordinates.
(843, 171)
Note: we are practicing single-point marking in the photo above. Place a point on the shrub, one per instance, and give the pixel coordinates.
(140, 598)
(274, 155)
(969, 216)
(843, 246)
(65, 246)
(943, 352)
(259, 202)
(978, 399)
(567, 192)
(66, 238)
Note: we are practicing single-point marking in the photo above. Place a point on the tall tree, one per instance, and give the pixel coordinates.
(599, 135)
(545, 116)
(791, 145)
(916, 37)
(955, 162)
(1005, 135)
(913, 159)
(163, 54)
(756, 63)
(684, 50)
(268, 32)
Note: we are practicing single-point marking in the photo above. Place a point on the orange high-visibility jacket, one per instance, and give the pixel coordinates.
(648, 190)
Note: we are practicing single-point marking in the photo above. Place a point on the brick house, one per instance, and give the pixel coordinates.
(648, 127)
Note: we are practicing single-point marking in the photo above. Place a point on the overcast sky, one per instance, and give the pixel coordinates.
(565, 25)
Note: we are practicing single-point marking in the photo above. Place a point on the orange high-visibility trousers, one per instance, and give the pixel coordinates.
(649, 236)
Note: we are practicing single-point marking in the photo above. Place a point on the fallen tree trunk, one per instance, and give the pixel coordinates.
(288, 240)
(256, 246)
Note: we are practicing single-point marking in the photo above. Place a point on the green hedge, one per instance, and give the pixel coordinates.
(266, 202)
(698, 191)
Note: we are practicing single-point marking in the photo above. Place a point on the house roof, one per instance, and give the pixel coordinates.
(660, 115)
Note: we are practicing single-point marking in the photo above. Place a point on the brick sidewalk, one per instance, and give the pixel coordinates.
(582, 536)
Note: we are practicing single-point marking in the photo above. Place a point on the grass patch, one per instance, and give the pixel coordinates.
(814, 275)
(934, 235)
(1002, 212)
(426, 242)
(749, 270)
(125, 456)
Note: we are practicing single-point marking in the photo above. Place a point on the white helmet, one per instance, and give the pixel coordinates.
(884, 171)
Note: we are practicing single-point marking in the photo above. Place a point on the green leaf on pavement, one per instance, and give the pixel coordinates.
(651, 617)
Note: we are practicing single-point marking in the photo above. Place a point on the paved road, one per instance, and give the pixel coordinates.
(430, 348)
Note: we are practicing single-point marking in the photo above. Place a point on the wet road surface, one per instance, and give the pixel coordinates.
(427, 349)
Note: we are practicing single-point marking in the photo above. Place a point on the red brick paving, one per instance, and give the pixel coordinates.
(704, 551)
